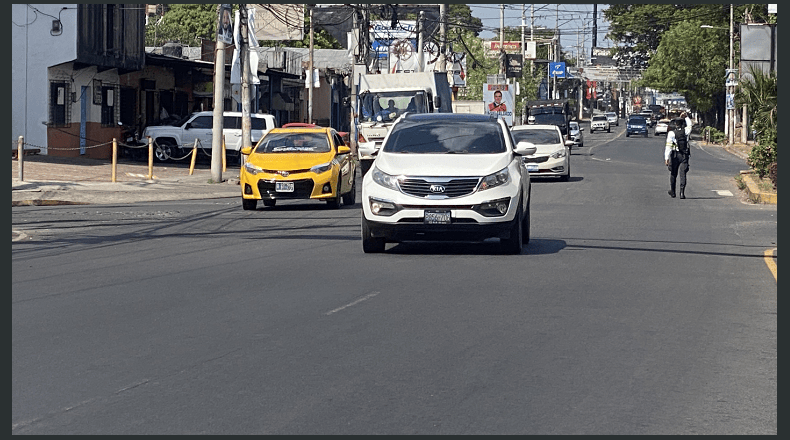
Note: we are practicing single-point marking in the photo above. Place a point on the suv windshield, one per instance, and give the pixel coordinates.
(636, 120)
(599, 118)
(444, 137)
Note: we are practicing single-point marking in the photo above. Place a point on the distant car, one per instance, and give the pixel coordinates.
(552, 157)
(298, 163)
(612, 118)
(447, 176)
(600, 122)
(636, 125)
(661, 127)
(576, 133)
(648, 115)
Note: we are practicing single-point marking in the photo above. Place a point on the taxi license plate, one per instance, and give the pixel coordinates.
(284, 186)
(437, 217)
(532, 168)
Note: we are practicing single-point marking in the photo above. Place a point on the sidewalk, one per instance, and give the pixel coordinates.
(53, 180)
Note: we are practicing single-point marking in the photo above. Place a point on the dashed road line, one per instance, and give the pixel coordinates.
(353, 303)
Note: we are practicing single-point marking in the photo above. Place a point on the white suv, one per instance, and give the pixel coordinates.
(175, 141)
(600, 122)
(447, 176)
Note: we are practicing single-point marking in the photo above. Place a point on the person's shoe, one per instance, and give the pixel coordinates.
(671, 193)
(682, 195)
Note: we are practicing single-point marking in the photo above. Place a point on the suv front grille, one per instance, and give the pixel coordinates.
(439, 187)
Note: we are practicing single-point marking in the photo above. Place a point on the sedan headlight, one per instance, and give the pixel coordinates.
(558, 154)
(318, 169)
(252, 169)
(501, 177)
(384, 179)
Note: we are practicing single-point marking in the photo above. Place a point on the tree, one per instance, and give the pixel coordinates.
(185, 24)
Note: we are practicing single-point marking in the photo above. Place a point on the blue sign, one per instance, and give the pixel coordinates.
(557, 70)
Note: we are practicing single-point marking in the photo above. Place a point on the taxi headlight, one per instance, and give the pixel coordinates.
(318, 169)
(501, 177)
(252, 169)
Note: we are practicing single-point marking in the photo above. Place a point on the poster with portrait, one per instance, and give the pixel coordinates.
(498, 99)
(225, 28)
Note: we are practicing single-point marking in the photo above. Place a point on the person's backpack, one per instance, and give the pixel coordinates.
(682, 140)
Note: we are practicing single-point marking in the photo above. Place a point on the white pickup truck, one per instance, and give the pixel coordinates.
(175, 141)
(600, 122)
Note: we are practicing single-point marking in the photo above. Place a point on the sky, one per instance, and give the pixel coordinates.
(568, 17)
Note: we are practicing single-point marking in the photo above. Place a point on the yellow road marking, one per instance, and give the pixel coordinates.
(771, 262)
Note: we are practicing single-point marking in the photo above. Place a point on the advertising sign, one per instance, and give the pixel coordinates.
(498, 99)
(513, 66)
(491, 48)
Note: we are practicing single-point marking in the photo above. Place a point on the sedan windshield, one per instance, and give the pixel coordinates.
(537, 137)
(294, 143)
(441, 137)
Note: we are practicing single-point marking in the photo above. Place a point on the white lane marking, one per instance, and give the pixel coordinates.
(364, 298)
(722, 192)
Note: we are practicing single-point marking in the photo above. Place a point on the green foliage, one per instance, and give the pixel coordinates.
(715, 136)
(185, 24)
(759, 93)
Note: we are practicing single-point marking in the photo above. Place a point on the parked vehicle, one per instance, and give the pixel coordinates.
(298, 163)
(600, 123)
(576, 133)
(661, 127)
(612, 118)
(552, 156)
(445, 176)
(175, 141)
(636, 125)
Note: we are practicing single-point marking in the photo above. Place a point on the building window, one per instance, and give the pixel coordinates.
(59, 103)
(110, 110)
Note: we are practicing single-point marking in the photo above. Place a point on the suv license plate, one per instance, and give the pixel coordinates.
(532, 167)
(284, 186)
(437, 217)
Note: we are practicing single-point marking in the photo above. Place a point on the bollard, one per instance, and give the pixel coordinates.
(20, 152)
(150, 158)
(114, 158)
(194, 158)
(224, 159)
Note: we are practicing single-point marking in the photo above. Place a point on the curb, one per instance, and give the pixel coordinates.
(753, 191)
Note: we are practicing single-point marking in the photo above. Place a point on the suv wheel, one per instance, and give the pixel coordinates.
(513, 244)
(371, 245)
(164, 150)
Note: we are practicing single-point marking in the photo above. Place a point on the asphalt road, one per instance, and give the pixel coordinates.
(628, 313)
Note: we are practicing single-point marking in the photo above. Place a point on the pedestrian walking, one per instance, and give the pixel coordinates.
(676, 156)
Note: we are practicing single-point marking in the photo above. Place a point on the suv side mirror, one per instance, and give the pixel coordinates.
(525, 148)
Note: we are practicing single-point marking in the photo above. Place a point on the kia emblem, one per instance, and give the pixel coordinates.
(437, 188)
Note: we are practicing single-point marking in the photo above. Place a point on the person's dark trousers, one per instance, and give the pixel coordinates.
(678, 167)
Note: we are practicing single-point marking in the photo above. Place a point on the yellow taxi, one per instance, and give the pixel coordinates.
(298, 163)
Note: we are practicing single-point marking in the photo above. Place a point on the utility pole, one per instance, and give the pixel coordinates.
(244, 63)
(532, 36)
(501, 39)
(421, 43)
(310, 76)
(219, 90)
(443, 37)
(731, 112)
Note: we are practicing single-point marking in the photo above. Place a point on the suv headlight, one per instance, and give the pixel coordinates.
(252, 169)
(501, 177)
(384, 179)
(558, 154)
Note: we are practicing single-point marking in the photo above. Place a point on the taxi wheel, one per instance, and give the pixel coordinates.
(249, 204)
(337, 200)
(350, 197)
